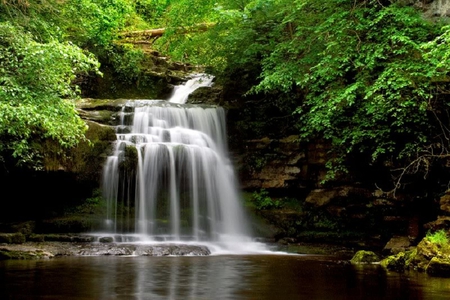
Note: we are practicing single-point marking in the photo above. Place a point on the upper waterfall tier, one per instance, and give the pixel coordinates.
(181, 92)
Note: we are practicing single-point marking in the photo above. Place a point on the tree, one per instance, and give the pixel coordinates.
(36, 94)
(369, 76)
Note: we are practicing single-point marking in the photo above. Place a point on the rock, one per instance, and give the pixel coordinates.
(142, 250)
(396, 245)
(12, 238)
(364, 257)
(287, 241)
(439, 267)
(53, 249)
(442, 222)
(424, 253)
(106, 239)
(206, 95)
(322, 197)
(106, 249)
(396, 262)
(444, 202)
(6, 254)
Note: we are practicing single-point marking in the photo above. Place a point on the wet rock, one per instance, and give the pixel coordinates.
(6, 254)
(424, 253)
(58, 237)
(103, 249)
(54, 249)
(206, 95)
(398, 262)
(142, 250)
(364, 257)
(287, 241)
(439, 267)
(396, 245)
(177, 250)
(106, 239)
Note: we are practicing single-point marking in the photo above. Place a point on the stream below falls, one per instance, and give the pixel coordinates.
(212, 277)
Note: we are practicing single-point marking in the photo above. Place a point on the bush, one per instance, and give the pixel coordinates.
(439, 237)
(263, 201)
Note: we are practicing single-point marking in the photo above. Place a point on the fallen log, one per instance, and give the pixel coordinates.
(156, 33)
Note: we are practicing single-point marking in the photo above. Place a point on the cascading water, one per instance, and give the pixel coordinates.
(170, 177)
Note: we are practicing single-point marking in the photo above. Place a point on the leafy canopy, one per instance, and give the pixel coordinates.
(369, 76)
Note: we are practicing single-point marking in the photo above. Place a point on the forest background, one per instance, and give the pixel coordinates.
(371, 77)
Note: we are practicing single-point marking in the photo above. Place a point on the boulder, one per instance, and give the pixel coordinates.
(396, 245)
(444, 203)
(442, 222)
(396, 262)
(364, 257)
(439, 267)
(106, 239)
(425, 252)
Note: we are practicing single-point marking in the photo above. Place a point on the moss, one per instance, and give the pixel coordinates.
(87, 158)
(70, 224)
(36, 238)
(12, 238)
(364, 257)
(6, 254)
(18, 238)
(130, 160)
(395, 262)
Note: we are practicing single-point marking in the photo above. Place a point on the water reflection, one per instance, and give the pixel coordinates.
(215, 277)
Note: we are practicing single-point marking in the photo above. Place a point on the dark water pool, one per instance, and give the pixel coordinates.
(215, 277)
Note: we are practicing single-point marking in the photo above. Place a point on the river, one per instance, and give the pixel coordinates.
(212, 277)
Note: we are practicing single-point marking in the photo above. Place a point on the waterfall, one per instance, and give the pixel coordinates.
(170, 177)
(181, 92)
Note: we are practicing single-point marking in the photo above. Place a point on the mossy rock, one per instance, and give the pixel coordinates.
(25, 228)
(424, 253)
(439, 267)
(395, 262)
(37, 238)
(106, 239)
(12, 238)
(364, 257)
(6, 254)
(70, 224)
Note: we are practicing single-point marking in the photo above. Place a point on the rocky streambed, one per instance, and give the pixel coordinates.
(43, 250)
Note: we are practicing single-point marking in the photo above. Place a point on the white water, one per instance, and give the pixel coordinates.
(181, 92)
(184, 187)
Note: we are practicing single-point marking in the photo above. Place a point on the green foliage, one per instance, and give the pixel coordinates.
(95, 205)
(128, 63)
(263, 201)
(369, 76)
(439, 237)
(36, 85)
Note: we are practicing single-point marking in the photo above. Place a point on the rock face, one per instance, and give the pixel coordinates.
(431, 9)
(282, 163)
(443, 219)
